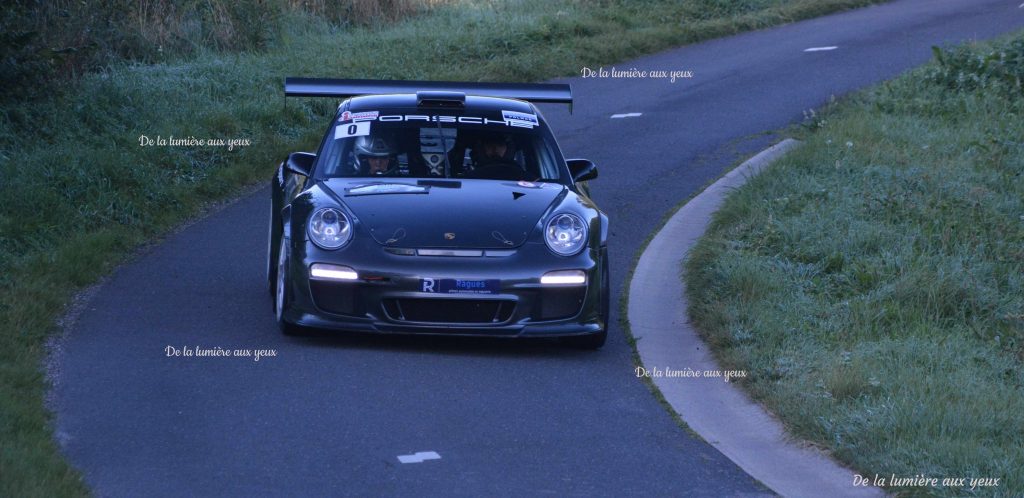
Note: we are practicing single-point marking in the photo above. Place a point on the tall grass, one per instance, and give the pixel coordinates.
(43, 44)
(79, 192)
(872, 282)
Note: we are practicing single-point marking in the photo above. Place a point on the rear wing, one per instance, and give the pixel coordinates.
(548, 93)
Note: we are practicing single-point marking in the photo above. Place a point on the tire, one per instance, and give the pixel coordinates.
(271, 258)
(282, 300)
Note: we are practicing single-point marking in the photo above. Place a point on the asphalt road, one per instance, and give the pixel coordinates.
(331, 415)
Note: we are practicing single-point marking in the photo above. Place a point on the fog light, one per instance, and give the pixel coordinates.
(564, 277)
(320, 271)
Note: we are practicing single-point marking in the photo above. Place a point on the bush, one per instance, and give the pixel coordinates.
(967, 68)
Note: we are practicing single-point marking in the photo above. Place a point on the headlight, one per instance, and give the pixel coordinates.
(565, 234)
(329, 228)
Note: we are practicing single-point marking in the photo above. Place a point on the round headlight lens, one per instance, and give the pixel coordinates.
(565, 234)
(329, 228)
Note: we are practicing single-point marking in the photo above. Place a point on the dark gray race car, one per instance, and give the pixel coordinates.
(438, 208)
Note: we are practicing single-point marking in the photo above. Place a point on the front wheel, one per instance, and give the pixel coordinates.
(271, 256)
(282, 300)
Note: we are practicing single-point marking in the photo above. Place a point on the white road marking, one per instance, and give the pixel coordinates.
(820, 49)
(627, 115)
(419, 457)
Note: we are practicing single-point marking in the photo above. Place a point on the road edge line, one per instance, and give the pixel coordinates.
(718, 411)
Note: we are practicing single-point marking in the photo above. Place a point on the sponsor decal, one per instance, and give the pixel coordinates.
(358, 116)
(459, 286)
(374, 116)
(519, 119)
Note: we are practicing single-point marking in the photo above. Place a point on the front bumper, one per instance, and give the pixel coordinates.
(387, 296)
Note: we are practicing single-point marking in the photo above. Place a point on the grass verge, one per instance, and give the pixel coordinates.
(872, 281)
(79, 192)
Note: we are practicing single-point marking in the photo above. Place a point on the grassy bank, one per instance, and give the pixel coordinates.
(872, 282)
(45, 45)
(79, 192)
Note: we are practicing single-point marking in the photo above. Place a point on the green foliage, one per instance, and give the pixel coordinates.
(873, 280)
(971, 68)
(43, 44)
(79, 192)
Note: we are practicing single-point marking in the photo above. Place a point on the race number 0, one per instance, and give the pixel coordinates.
(359, 129)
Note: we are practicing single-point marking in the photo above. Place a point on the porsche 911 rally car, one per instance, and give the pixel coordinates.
(438, 208)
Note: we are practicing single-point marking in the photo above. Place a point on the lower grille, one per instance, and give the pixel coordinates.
(334, 297)
(561, 302)
(449, 310)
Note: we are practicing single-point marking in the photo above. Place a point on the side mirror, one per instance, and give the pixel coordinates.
(300, 162)
(582, 169)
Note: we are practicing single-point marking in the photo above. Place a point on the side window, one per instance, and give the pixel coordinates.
(546, 161)
(340, 159)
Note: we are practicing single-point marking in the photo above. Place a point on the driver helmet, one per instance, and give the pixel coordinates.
(372, 146)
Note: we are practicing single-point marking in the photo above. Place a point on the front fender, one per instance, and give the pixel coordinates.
(604, 230)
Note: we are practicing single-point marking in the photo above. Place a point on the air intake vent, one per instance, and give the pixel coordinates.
(450, 311)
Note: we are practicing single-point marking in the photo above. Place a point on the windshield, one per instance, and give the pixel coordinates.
(438, 144)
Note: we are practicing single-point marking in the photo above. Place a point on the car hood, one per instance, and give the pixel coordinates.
(470, 214)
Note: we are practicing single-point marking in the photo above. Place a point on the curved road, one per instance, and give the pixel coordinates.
(331, 415)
